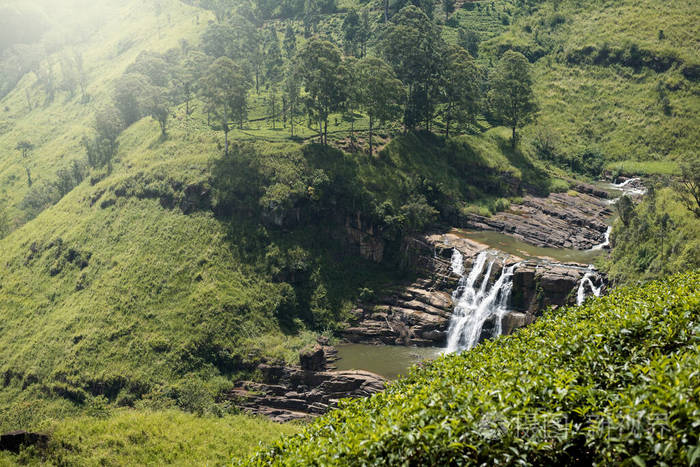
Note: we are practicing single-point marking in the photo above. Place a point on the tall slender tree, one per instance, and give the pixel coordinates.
(380, 94)
(460, 88)
(225, 88)
(325, 80)
(511, 96)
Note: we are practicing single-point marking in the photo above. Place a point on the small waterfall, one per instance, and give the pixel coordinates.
(474, 306)
(581, 292)
(631, 190)
(606, 241)
(625, 183)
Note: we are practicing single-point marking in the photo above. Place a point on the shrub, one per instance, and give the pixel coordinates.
(559, 186)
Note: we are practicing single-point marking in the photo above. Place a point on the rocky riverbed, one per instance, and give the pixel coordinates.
(561, 220)
(420, 313)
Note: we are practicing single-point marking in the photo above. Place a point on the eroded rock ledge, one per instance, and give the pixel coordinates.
(289, 393)
(558, 221)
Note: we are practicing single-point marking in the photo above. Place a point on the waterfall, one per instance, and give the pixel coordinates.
(606, 241)
(631, 190)
(474, 306)
(581, 292)
(625, 183)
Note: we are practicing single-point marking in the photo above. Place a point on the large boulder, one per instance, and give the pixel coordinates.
(313, 359)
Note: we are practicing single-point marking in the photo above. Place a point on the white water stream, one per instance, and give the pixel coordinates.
(586, 280)
(477, 302)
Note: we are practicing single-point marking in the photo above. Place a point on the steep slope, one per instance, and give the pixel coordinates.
(616, 81)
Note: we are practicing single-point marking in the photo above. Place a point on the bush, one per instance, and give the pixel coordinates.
(610, 382)
(559, 186)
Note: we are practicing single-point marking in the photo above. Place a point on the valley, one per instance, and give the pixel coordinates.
(349, 232)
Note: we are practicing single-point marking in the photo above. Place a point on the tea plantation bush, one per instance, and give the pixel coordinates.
(615, 381)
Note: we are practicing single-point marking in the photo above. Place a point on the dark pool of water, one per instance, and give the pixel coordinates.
(390, 361)
(513, 246)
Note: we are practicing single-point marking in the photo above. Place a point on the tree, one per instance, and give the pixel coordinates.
(688, 185)
(469, 40)
(413, 46)
(158, 107)
(625, 209)
(312, 11)
(351, 32)
(24, 147)
(273, 57)
(189, 74)
(324, 77)
(273, 106)
(129, 95)
(69, 74)
(460, 89)
(449, 7)
(153, 66)
(379, 92)
(225, 87)
(511, 97)
(108, 125)
(290, 41)
(291, 96)
(257, 61)
(364, 33)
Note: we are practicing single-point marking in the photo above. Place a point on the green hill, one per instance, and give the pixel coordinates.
(155, 283)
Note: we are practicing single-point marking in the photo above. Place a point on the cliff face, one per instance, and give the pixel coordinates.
(419, 313)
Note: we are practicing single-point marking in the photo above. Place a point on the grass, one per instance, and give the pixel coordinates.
(646, 168)
(615, 109)
(145, 437)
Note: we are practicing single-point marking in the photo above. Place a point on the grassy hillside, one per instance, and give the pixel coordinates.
(610, 382)
(128, 437)
(618, 78)
(155, 284)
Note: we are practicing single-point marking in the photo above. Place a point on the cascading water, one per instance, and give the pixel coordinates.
(581, 292)
(475, 306)
(606, 241)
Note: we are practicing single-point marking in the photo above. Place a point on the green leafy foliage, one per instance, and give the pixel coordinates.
(612, 381)
(657, 237)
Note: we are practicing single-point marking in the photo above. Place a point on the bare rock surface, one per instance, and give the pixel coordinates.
(289, 393)
(559, 221)
(292, 393)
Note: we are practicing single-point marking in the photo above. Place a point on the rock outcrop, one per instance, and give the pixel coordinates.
(558, 221)
(419, 313)
(290, 393)
(294, 393)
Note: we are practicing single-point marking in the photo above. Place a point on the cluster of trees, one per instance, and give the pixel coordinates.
(416, 77)
(413, 77)
(149, 87)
